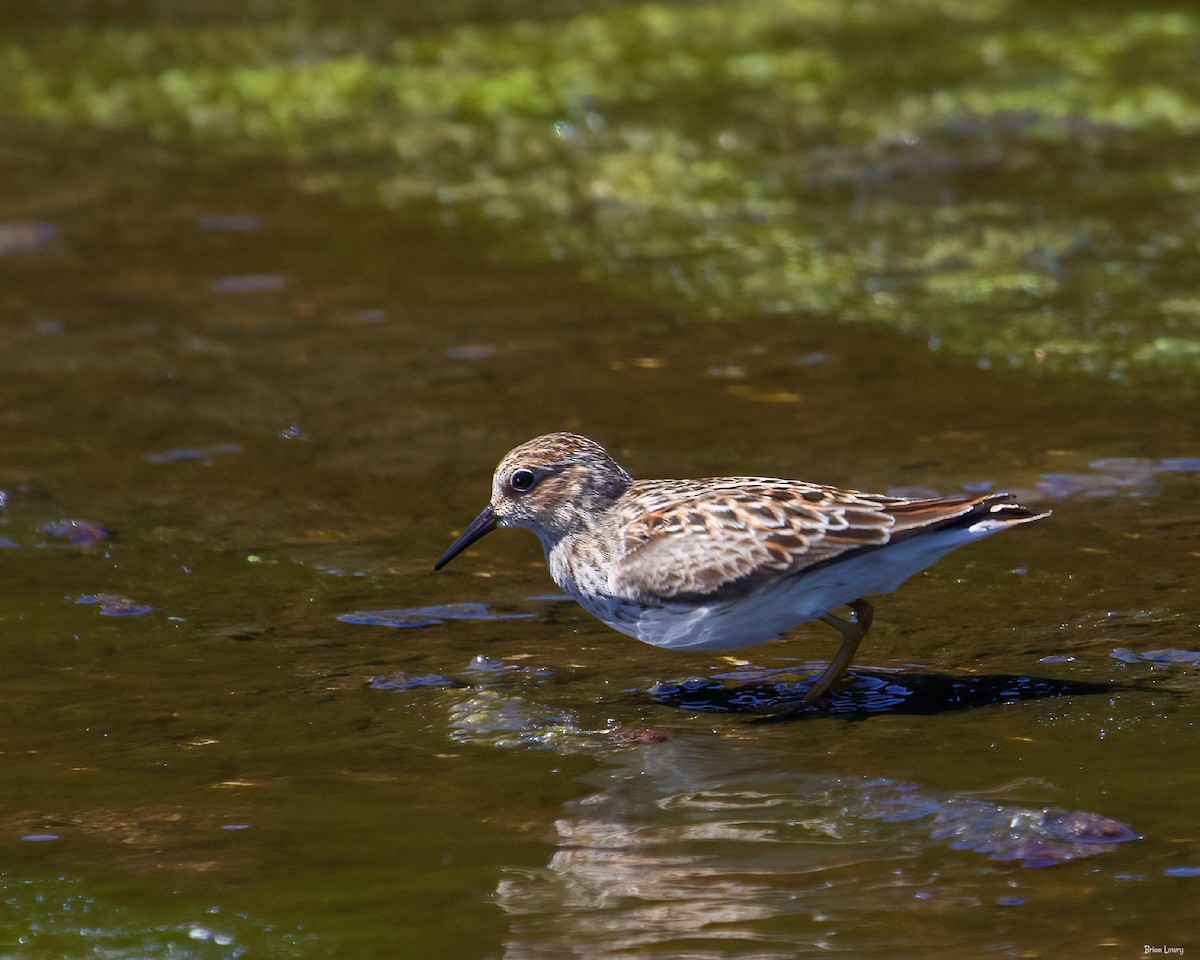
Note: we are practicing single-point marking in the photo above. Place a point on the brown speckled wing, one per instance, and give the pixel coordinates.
(706, 537)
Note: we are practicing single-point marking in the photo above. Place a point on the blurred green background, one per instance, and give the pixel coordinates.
(1014, 181)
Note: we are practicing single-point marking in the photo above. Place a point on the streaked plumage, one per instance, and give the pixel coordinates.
(723, 562)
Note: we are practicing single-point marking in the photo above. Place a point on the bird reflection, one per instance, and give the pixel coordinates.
(689, 847)
(863, 694)
(731, 843)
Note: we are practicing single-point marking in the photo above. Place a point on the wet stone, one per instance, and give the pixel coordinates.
(486, 664)
(427, 616)
(1023, 836)
(1083, 827)
(193, 453)
(113, 605)
(397, 619)
(400, 682)
(231, 223)
(48, 326)
(251, 283)
(495, 719)
(478, 673)
(1114, 477)
(17, 237)
(470, 351)
(639, 735)
(75, 532)
(1168, 656)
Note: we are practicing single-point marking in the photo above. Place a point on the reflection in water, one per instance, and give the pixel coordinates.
(696, 840)
(778, 693)
(693, 840)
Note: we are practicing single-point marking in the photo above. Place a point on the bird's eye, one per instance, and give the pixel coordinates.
(522, 479)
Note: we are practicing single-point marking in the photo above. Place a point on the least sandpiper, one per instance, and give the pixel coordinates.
(724, 562)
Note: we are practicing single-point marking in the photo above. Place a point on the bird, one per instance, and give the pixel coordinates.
(722, 563)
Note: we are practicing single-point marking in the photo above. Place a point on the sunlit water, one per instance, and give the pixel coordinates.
(240, 423)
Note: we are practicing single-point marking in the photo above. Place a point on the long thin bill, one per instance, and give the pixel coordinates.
(483, 524)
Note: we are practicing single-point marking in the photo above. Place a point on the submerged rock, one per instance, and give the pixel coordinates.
(427, 616)
(251, 283)
(113, 605)
(193, 453)
(26, 237)
(75, 532)
(1025, 836)
(229, 222)
(1171, 655)
(1114, 477)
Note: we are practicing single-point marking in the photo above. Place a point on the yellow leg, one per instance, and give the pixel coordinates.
(852, 632)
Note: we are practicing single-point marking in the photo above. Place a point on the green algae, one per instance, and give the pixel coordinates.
(1015, 183)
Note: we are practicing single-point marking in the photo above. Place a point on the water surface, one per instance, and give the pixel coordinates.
(235, 412)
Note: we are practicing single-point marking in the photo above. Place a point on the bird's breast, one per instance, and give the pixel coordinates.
(580, 566)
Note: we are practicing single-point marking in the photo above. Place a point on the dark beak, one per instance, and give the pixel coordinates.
(483, 524)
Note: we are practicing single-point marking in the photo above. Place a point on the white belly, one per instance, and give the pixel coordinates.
(779, 605)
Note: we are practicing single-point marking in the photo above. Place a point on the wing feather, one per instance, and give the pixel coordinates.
(711, 538)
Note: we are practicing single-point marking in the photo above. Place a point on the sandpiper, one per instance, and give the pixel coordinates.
(723, 562)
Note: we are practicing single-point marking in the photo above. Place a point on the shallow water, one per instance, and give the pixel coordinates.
(267, 412)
